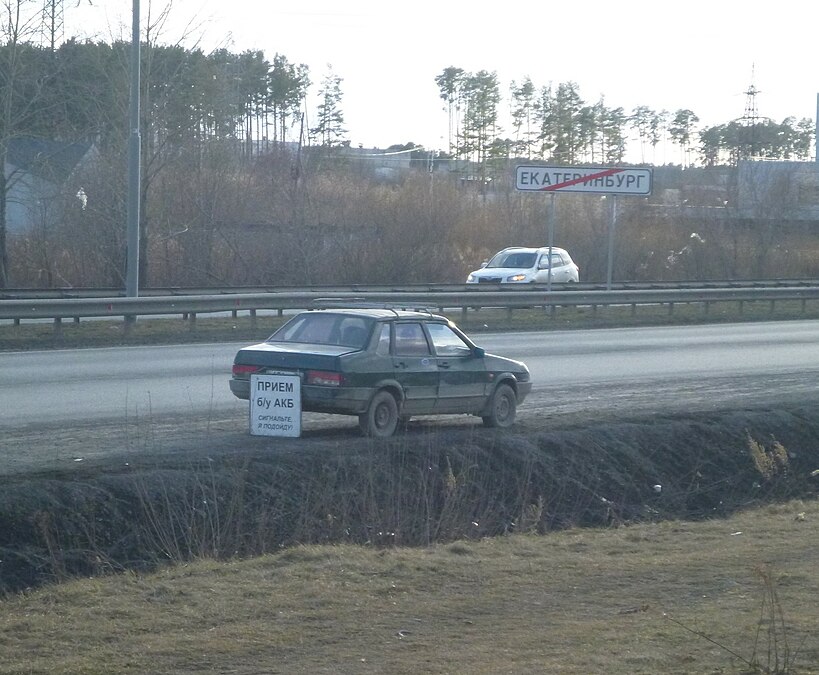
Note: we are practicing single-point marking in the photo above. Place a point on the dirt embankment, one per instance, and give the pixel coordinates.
(434, 482)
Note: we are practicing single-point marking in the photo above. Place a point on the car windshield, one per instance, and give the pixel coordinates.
(516, 259)
(325, 329)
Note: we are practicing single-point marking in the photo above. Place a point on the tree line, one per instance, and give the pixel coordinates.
(220, 172)
(555, 123)
(192, 102)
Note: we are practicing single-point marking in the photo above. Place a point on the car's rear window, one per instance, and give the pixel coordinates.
(325, 329)
(519, 259)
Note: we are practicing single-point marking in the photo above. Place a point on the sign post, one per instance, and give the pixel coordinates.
(614, 181)
(612, 226)
(275, 405)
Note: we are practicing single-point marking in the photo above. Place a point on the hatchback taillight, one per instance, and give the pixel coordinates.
(245, 370)
(324, 378)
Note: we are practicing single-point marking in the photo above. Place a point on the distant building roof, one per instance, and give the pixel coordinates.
(51, 160)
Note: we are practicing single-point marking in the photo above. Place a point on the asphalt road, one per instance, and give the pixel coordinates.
(69, 404)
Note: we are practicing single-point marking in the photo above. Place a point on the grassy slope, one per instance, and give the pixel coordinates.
(616, 601)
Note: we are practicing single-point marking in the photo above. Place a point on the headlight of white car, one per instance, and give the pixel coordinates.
(517, 277)
(470, 279)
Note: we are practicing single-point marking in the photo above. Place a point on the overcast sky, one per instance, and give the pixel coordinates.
(702, 55)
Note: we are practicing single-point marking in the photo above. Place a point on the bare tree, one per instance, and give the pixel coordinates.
(20, 96)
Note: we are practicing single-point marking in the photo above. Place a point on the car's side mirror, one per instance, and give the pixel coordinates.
(484, 264)
(479, 352)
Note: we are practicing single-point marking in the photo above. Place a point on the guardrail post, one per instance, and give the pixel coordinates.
(58, 328)
(741, 307)
(670, 308)
(192, 321)
(253, 319)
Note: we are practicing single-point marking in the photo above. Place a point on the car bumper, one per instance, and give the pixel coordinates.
(524, 388)
(340, 400)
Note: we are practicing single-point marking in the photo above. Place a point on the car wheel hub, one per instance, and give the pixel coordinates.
(382, 416)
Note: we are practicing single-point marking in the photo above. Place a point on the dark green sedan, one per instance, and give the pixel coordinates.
(386, 365)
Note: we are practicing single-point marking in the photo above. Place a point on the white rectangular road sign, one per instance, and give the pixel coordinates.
(275, 405)
(614, 180)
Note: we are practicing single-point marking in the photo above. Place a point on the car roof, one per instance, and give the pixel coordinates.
(533, 249)
(381, 313)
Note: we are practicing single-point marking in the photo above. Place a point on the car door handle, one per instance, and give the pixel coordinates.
(443, 365)
(400, 364)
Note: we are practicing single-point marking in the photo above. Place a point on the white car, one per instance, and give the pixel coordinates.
(521, 265)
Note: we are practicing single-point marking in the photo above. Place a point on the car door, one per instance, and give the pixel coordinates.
(560, 270)
(463, 380)
(415, 367)
(542, 274)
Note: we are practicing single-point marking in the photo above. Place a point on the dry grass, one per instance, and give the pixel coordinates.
(616, 601)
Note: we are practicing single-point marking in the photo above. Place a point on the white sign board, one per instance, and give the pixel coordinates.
(606, 180)
(275, 405)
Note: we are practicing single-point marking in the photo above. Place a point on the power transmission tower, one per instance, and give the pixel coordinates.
(53, 26)
(750, 120)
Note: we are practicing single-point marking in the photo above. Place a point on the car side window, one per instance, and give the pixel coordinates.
(383, 348)
(353, 332)
(446, 341)
(410, 340)
(557, 261)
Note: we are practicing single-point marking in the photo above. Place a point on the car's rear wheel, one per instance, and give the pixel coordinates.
(502, 408)
(381, 417)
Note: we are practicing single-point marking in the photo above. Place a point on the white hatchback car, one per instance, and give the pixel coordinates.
(521, 265)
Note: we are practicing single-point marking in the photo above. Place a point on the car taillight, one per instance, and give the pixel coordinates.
(324, 378)
(245, 370)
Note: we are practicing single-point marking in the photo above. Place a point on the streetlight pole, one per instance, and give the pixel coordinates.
(134, 143)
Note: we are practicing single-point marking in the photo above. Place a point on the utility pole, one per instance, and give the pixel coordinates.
(134, 143)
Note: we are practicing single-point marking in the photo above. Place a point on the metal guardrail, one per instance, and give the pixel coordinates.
(469, 297)
(181, 291)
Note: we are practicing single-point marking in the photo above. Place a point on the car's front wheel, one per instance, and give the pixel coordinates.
(381, 417)
(502, 408)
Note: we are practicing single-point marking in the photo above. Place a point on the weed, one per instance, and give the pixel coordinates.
(771, 654)
(769, 462)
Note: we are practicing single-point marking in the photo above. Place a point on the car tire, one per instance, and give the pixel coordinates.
(502, 408)
(381, 418)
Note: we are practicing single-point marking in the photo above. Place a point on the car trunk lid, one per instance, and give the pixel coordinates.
(292, 356)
